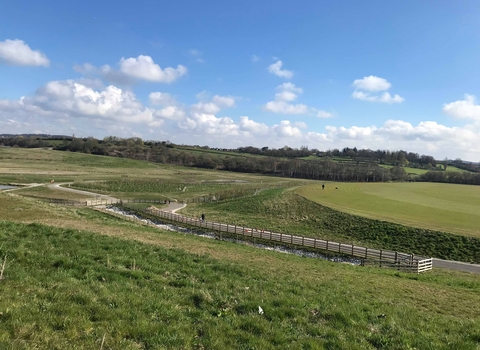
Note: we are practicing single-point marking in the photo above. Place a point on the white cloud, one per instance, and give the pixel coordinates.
(209, 124)
(285, 96)
(144, 68)
(286, 129)
(65, 107)
(324, 114)
(67, 104)
(18, 53)
(253, 127)
(463, 109)
(384, 98)
(285, 108)
(276, 68)
(224, 101)
(133, 69)
(289, 87)
(255, 58)
(161, 98)
(372, 83)
(214, 106)
(288, 93)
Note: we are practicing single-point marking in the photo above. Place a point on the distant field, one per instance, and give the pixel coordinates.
(408, 170)
(126, 178)
(442, 207)
(418, 171)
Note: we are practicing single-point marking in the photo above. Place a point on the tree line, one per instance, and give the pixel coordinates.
(352, 165)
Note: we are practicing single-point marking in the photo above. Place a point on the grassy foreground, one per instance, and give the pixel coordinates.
(443, 207)
(73, 289)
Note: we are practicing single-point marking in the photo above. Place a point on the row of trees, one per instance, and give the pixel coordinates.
(282, 162)
(455, 177)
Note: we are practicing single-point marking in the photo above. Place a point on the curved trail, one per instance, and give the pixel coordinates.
(174, 206)
(85, 193)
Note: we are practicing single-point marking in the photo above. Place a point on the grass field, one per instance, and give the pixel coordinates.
(444, 207)
(41, 166)
(418, 171)
(75, 289)
(77, 278)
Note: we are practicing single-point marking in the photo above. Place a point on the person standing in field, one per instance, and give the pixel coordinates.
(323, 186)
(203, 217)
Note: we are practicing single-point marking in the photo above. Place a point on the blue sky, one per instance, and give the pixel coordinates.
(324, 74)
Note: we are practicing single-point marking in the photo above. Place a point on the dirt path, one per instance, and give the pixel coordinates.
(85, 193)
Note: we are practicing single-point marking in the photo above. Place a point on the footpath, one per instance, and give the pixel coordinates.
(174, 206)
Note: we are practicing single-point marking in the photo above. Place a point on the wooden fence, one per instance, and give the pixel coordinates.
(386, 258)
(401, 261)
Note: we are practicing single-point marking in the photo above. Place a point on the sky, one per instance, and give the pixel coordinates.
(389, 75)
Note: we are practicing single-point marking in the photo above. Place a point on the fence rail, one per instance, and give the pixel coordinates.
(398, 260)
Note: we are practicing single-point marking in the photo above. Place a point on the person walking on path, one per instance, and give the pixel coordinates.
(203, 217)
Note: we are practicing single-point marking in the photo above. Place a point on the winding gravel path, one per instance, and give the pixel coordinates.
(59, 187)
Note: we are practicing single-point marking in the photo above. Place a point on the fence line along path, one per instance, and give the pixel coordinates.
(401, 261)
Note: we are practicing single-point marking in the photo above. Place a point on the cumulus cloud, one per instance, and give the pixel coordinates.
(161, 98)
(286, 129)
(385, 97)
(18, 53)
(144, 68)
(288, 92)
(214, 105)
(374, 84)
(224, 101)
(282, 107)
(134, 69)
(276, 68)
(463, 109)
(68, 103)
(252, 127)
(371, 83)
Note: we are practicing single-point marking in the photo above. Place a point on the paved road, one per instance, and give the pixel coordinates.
(456, 265)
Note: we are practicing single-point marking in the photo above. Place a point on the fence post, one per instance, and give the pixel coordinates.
(327, 246)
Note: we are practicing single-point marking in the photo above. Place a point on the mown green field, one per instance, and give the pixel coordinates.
(443, 207)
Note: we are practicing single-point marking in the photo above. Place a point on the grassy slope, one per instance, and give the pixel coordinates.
(67, 288)
(290, 213)
(70, 288)
(443, 207)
